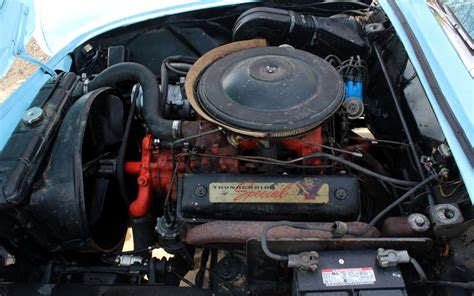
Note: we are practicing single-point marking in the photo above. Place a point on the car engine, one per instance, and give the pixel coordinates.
(259, 149)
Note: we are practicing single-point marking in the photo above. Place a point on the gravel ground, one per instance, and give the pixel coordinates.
(20, 71)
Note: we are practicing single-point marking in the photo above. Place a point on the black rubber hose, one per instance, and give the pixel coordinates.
(199, 280)
(394, 204)
(160, 127)
(424, 278)
(464, 285)
(418, 269)
(298, 225)
(394, 96)
(263, 238)
(357, 167)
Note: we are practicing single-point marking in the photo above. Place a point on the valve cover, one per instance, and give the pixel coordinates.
(280, 91)
(204, 197)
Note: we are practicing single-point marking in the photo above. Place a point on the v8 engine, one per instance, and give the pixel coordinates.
(285, 150)
(273, 101)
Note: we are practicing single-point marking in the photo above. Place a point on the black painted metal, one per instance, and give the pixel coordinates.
(271, 89)
(192, 207)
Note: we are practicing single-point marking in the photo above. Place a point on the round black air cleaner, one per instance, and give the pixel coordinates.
(280, 91)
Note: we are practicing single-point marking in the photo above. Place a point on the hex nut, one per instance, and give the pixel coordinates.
(341, 194)
(200, 191)
(418, 222)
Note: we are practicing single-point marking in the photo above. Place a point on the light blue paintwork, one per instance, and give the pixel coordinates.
(17, 22)
(14, 107)
(451, 75)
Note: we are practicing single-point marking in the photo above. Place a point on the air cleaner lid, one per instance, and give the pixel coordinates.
(278, 90)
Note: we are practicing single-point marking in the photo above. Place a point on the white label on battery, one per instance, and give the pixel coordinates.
(348, 276)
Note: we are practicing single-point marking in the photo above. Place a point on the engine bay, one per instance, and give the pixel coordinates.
(264, 149)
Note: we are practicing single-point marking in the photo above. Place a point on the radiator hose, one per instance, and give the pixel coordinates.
(163, 129)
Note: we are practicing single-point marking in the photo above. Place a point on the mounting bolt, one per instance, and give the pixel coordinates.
(142, 181)
(341, 194)
(156, 143)
(200, 191)
(418, 222)
(33, 115)
(270, 69)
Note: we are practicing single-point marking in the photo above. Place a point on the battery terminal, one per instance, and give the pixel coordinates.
(307, 261)
(390, 257)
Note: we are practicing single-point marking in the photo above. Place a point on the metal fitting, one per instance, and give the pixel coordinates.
(33, 116)
(128, 260)
(200, 190)
(307, 261)
(418, 222)
(446, 219)
(165, 230)
(354, 108)
(341, 194)
(340, 229)
(389, 258)
(445, 214)
(156, 143)
(444, 150)
(176, 129)
(85, 83)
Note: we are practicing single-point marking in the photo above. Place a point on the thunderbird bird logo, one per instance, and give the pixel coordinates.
(309, 188)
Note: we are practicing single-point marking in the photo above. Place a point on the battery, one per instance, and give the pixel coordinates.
(204, 197)
(349, 273)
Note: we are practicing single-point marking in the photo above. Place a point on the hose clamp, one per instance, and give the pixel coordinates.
(85, 86)
(176, 129)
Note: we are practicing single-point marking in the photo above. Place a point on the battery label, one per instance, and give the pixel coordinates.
(348, 276)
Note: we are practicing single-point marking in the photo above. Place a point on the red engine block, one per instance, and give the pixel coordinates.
(154, 171)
